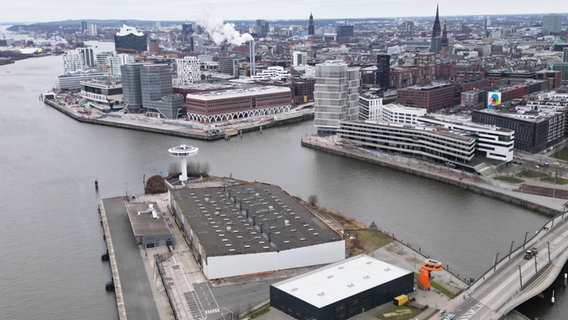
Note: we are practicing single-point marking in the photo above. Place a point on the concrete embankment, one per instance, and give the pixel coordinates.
(162, 129)
(113, 266)
(461, 180)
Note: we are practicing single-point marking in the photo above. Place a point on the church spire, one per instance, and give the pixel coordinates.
(311, 28)
(436, 30)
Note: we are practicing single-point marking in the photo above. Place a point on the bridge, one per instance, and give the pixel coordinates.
(514, 279)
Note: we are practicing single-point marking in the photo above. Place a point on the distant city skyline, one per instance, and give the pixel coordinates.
(45, 11)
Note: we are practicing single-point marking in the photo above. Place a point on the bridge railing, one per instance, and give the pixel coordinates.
(549, 225)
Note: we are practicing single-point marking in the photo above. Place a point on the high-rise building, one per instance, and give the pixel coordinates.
(78, 59)
(93, 29)
(72, 62)
(383, 71)
(336, 95)
(188, 70)
(299, 58)
(129, 40)
(551, 23)
(101, 59)
(83, 26)
(88, 56)
(311, 28)
(262, 28)
(344, 32)
(157, 91)
(156, 81)
(115, 62)
(131, 88)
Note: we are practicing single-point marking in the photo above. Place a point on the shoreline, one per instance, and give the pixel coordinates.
(168, 127)
(549, 207)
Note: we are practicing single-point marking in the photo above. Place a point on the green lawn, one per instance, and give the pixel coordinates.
(555, 180)
(561, 154)
(399, 313)
(509, 179)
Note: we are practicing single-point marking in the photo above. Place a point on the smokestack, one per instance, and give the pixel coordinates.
(252, 58)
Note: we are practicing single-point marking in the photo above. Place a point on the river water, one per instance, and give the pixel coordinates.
(49, 227)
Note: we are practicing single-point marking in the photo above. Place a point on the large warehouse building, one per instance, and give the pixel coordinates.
(250, 228)
(341, 290)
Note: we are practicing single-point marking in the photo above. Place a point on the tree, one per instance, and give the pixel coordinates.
(155, 184)
(313, 200)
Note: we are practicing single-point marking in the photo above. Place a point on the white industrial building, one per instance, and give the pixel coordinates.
(341, 290)
(250, 228)
(188, 70)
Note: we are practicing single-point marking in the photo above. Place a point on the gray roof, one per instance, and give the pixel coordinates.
(223, 228)
(143, 224)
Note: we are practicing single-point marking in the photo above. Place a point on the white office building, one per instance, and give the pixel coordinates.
(188, 70)
(80, 59)
(493, 142)
(299, 58)
(395, 113)
(114, 63)
(336, 95)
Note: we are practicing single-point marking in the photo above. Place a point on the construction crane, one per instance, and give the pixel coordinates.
(428, 266)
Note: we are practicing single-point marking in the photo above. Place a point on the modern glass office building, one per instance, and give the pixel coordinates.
(336, 95)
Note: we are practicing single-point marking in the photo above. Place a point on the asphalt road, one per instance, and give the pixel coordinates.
(502, 291)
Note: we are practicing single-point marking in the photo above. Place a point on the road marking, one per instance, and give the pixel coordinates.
(468, 314)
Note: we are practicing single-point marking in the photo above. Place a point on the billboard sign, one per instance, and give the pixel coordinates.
(493, 99)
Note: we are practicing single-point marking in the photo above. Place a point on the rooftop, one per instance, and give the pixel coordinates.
(340, 280)
(250, 218)
(146, 219)
(227, 94)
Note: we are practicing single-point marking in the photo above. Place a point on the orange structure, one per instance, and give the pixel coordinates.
(427, 267)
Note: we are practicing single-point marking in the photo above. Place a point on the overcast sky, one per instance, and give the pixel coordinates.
(53, 10)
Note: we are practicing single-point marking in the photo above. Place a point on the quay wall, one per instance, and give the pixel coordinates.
(460, 183)
(171, 132)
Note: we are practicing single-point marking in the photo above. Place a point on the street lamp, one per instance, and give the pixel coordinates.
(548, 245)
(520, 276)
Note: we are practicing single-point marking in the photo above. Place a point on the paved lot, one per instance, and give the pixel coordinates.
(138, 298)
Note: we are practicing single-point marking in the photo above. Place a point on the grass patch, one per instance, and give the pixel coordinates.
(260, 312)
(561, 154)
(365, 241)
(360, 238)
(399, 313)
(555, 180)
(510, 179)
(531, 174)
(438, 286)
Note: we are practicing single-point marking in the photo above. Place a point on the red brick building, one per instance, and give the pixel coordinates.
(432, 97)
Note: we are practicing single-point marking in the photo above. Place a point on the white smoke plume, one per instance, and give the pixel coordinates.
(219, 31)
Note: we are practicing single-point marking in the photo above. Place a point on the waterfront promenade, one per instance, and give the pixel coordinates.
(472, 182)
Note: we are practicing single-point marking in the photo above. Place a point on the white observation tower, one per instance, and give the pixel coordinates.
(183, 151)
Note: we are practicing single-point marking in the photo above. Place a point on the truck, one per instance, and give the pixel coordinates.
(530, 253)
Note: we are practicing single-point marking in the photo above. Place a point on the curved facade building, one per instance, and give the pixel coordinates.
(129, 40)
